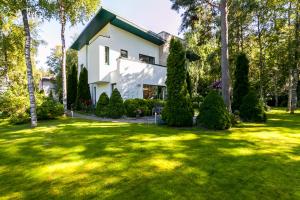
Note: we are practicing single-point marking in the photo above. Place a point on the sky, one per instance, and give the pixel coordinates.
(154, 15)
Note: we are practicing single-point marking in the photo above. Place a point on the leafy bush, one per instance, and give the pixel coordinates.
(141, 107)
(102, 105)
(19, 118)
(252, 109)
(116, 105)
(49, 109)
(196, 101)
(213, 113)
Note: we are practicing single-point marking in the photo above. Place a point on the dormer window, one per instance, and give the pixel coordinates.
(124, 53)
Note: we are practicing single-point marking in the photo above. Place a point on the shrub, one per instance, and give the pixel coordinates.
(142, 107)
(116, 105)
(19, 118)
(83, 101)
(252, 108)
(49, 109)
(213, 113)
(102, 105)
(241, 84)
(178, 110)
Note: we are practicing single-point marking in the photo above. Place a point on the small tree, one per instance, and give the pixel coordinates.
(102, 105)
(213, 113)
(252, 108)
(241, 85)
(83, 92)
(178, 110)
(116, 105)
(72, 87)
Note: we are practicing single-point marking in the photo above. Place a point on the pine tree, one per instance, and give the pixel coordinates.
(241, 85)
(83, 92)
(72, 87)
(178, 111)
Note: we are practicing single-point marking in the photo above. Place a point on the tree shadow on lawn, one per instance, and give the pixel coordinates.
(92, 160)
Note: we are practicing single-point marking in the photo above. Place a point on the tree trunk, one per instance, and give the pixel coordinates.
(225, 55)
(30, 80)
(290, 91)
(63, 50)
(261, 92)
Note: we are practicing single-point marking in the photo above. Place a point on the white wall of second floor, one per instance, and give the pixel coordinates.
(92, 55)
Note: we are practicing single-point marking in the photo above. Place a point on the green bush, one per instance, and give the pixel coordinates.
(72, 84)
(252, 108)
(213, 113)
(141, 107)
(178, 110)
(19, 118)
(102, 105)
(49, 109)
(116, 105)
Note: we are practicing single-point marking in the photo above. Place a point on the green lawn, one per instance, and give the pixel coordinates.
(79, 159)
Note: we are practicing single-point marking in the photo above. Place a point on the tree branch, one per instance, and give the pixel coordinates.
(209, 2)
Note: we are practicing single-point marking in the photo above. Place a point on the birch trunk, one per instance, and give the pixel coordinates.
(225, 54)
(63, 50)
(30, 81)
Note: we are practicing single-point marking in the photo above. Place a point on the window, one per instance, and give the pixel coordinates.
(107, 55)
(124, 53)
(113, 86)
(154, 92)
(147, 59)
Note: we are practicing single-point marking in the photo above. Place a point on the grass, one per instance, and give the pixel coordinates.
(79, 159)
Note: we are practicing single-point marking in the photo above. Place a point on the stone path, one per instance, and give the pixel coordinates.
(141, 120)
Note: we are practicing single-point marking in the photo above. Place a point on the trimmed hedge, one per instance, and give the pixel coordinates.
(116, 106)
(252, 108)
(213, 113)
(102, 105)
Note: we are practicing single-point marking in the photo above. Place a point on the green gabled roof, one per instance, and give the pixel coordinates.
(101, 19)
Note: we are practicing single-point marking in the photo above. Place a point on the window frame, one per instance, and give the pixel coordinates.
(123, 50)
(150, 58)
(106, 55)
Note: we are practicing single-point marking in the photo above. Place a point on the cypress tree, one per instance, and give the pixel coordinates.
(178, 110)
(102, 105)
(241, 84)
(83, 99)
(72, 86)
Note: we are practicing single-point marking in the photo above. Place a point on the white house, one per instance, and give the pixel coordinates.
(119, 54)
(48, 84)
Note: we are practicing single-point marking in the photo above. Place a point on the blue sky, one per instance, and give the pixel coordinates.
(155, 15)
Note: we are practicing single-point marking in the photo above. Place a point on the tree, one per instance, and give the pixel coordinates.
(241, 85)
(34, 7)
(190, 16)
(178, 110)
(83, 92)
(116, 107)
(73, 11)
(72, 86)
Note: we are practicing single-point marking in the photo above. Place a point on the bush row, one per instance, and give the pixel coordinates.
(114, 106)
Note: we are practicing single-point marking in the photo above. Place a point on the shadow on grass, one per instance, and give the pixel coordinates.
(90, 160)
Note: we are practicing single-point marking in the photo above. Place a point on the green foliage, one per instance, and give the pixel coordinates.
(116, 106)
(141, 107)
(72, 85)
(178, 110)
(252, 108)
(241, 85)
(213, 113)
(49, 109)
(83, 100)
(102, 105)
